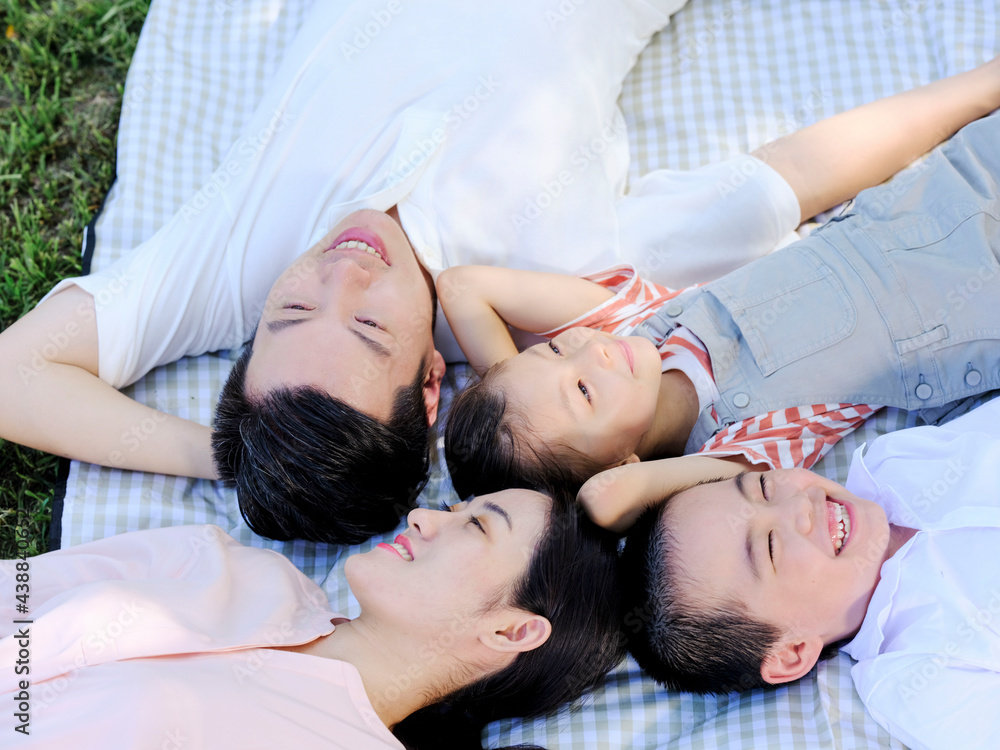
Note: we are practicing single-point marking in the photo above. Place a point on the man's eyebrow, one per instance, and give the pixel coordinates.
(740, 479)
(275, 326)
(490, 505)
(751, 561)
(379, 349)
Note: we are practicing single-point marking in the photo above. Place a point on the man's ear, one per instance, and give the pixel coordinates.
(432, 386)
(520, 631)
(791, 660)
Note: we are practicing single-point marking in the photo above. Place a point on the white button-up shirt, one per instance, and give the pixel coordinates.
(928, 651)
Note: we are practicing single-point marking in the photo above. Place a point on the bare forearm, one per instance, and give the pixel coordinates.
(615, 498)
(835, 159)
(533, 301)
(52, 399)
(69, 412)
(478, 328)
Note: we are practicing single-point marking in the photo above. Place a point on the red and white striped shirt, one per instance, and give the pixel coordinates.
(795, 436)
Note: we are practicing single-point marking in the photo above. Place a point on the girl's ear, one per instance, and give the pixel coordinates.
(520, 631)
(791, 660)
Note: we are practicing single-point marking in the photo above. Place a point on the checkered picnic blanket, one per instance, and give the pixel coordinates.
(723, 78)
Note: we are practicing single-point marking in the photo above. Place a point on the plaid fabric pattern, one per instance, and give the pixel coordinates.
(723, 78)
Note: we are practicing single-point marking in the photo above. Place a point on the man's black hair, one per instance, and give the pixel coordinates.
(308, 466)
(682, 643)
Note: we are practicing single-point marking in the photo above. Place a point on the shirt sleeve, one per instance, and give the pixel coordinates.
(795, 437)
(161, 591)
(930, 701)
(154, 553)
(680, 228)
(634, 296)
(169, 298)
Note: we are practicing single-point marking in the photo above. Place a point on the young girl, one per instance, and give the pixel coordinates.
(778, 359)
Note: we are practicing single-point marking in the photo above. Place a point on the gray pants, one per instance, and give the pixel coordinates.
(895, 302)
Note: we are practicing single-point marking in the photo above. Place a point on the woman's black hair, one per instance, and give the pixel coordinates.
(571, 580)
(488, 445)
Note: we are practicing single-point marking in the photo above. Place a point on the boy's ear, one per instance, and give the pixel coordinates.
(432, 386)
(791, 660)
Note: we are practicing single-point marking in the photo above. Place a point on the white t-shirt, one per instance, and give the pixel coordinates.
(497, 134)
(928, 651)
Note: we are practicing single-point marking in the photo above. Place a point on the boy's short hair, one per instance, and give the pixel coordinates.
(684, 644)
(308, 466)
(488, 447)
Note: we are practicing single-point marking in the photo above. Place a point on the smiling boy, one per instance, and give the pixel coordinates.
(748, 581)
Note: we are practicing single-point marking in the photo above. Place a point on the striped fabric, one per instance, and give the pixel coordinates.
(723, 78)
(797, 436)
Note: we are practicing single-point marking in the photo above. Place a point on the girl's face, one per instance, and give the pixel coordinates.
(588, 390)
(442, 576)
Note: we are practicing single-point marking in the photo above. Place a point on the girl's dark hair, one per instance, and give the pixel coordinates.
(488, 445)
(571, 580)
(683, 645)
(308, 466)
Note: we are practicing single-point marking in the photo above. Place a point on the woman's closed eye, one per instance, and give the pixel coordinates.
(474, 520)
(770, 546)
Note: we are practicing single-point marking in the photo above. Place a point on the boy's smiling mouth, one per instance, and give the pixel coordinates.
(839, 523)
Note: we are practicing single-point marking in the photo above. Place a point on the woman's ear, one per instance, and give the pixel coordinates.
(791, 660)
(521, 631)
(432, 386)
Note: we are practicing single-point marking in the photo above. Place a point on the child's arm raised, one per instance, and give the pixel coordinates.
(481, 301)
(837, 158)
(615, 498)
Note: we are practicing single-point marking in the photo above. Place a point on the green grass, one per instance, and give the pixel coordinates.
(62, 66)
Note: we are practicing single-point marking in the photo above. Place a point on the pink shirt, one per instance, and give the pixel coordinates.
(160, 639)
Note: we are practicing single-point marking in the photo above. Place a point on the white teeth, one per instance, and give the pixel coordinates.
(357, 244)
(402, 551)
(843, 527)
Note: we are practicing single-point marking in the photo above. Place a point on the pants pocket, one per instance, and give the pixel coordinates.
(788, 305)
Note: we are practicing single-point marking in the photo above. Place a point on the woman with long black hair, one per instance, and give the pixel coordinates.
(504, 607)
